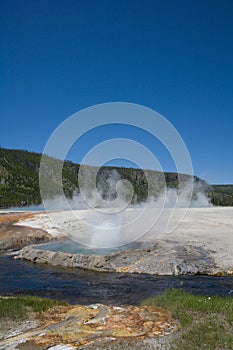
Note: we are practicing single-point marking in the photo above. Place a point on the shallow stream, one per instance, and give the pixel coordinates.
(85, 287)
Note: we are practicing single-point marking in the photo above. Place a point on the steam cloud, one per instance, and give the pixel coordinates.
(188, 192)
(108, 224)
(109, 219)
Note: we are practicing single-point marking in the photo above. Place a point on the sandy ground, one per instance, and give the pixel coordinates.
(211, 228)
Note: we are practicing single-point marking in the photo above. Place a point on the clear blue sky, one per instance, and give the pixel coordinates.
(59, 56)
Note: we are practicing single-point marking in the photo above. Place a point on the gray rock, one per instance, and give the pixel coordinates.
(163, 258)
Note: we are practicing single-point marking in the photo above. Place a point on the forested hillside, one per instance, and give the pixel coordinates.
(19, 180)
(222, 195)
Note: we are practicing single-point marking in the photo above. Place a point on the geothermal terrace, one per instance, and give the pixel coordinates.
(201, 244)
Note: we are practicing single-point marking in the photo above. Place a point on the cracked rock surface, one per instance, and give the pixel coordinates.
(71, 327)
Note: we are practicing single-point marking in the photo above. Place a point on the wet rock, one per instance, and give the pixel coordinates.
(163, 258)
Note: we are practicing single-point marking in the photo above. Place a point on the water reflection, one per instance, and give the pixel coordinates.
(84, 287)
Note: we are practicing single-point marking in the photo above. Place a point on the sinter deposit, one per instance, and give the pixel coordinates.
(202, 243)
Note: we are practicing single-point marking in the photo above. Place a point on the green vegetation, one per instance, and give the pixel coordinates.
(221, 194)
(19, 180)
(18, 307)
(205, 322)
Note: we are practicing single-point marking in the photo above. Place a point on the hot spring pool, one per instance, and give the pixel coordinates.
(69, 246)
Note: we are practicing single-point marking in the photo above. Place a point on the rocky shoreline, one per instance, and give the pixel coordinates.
(160, 258)
(14, 237)
(206, 253)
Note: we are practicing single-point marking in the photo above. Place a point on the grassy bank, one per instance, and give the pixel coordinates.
(205, 322)
(18, 307)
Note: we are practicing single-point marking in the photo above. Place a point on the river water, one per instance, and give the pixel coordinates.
(85, 287)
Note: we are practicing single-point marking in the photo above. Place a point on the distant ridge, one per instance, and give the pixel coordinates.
(19, 180)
